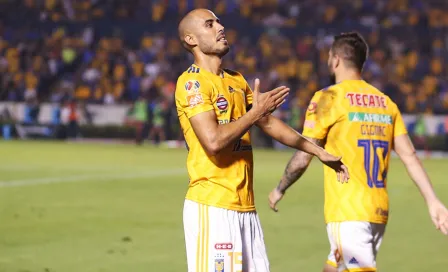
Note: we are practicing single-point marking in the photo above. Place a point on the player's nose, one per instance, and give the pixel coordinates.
(219, 27)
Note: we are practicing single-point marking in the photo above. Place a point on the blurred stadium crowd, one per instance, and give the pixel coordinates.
(117, 51)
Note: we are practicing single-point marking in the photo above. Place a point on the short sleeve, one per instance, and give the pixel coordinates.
(399, 125)
(193, 95)
(321, 114)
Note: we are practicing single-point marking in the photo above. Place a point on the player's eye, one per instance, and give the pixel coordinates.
(209, 24)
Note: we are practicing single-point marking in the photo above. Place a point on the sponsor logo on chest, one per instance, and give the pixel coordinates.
(222, 104)
(366, 100)
(370, 117)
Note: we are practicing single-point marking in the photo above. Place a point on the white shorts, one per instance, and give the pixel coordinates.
(219, 240)
(354, 245)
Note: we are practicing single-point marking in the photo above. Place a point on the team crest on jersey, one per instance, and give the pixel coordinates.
(219, 262)
(222, 104)
(192, 86)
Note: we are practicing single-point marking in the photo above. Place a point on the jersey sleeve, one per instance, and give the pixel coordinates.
(399, 125)
(322, 113)
(193, 95)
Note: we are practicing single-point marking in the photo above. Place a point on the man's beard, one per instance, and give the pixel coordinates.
(224, 51)
(220, 52)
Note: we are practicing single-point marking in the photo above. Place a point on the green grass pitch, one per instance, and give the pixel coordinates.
(72, 207)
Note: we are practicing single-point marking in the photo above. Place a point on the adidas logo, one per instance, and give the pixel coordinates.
(231, 90)
(353, 261)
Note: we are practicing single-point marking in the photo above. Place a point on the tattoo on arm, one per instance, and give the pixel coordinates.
(296, 167)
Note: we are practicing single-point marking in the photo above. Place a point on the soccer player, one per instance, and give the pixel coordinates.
(357, 121)
(216, 109)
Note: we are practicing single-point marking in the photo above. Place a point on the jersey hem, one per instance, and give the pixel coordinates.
(222, 206)
(357, 220)
(399, 134)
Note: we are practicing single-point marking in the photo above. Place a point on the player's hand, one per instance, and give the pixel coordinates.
(439, 215)
(267, 102)
(274, 197)
(336, 164)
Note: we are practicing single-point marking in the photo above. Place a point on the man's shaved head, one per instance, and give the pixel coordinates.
(201, 28)
(187, 24)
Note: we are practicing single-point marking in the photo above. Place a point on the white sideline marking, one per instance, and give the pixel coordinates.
(30, 168)
(97, 177)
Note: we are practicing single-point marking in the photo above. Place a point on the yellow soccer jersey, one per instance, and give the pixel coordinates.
(224, 180)
(359, 123)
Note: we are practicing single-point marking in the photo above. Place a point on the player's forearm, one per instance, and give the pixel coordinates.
(229, 133)
(297, 165)
(286, 135)
(419, 176)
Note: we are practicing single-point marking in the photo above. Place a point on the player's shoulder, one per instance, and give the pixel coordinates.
(235, 75)
(323, 100)
(319, 93)
(192, 72)
(331, 91)
(191, 79)
(232, 72)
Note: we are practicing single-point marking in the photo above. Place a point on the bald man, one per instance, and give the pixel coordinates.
(216, 109)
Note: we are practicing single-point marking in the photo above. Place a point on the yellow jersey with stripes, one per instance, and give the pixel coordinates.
(359, 123)
(224, 180)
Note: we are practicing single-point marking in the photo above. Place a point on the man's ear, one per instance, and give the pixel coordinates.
(190, 40)
(337, 61)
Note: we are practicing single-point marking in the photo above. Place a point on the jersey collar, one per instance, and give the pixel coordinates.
(221, 74)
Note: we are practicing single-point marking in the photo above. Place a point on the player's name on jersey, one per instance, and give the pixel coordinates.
(373, 130)
(367, 100)
(370, 117)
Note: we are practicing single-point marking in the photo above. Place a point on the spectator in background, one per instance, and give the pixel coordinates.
(69, 119)
(420, 133)
(7, 121)
(107, 64)
(32, 110)
(88, 115)
(159, 112)
(73, 119)
(140, 118)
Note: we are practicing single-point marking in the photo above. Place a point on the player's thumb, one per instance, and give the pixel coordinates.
(257, 86)
(272, 202)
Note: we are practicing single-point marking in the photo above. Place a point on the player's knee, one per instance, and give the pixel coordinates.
(330, 268)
